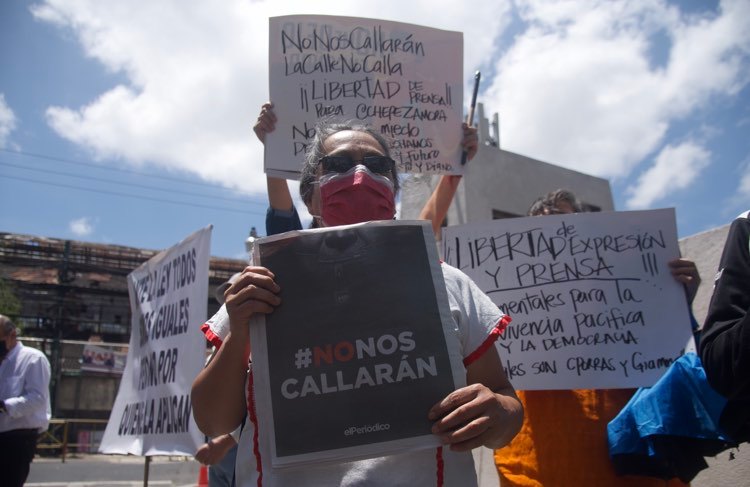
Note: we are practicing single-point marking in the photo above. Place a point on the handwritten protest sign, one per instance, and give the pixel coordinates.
(348, 366)
(152, 414)
(403, 79)
(591, 296)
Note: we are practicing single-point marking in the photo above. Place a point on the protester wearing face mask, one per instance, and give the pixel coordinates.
(349, 178)
(24, 403)
(348, 186)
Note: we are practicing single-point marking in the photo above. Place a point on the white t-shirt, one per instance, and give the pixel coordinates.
(478, 322)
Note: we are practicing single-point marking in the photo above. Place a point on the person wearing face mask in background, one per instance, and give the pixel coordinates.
(349, 163)
(24, 403)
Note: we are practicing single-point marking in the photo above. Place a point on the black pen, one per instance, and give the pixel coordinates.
(477, 76)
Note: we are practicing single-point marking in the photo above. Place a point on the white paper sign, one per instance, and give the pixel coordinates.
(152, 414)
(593, 302)
(403, 79)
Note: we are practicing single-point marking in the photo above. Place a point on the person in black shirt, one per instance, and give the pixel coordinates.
(725, 340)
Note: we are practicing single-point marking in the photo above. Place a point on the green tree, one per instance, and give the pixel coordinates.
(10, 305)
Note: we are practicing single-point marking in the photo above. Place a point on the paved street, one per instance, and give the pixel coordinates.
(112, 471)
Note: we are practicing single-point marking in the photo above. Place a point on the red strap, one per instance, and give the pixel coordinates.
(254, 420)
(211, 336)
(489, 341)
(440, 466)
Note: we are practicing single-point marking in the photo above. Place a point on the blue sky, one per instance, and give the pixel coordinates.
(129, 122)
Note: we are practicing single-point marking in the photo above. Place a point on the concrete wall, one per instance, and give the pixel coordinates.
(87, 396)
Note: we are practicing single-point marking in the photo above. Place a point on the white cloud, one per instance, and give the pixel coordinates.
(739, 200)
(580, 87)
(81, 227)
(743, 190)
(7, 121)
(198, 73)
(675, 168)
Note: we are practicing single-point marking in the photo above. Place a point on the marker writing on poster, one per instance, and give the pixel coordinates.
(163, 415)
(391, 75)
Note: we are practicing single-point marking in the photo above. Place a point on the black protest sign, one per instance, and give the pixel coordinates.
(357, 353)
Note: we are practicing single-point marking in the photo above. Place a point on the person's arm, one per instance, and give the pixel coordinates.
(279, 196)
(34, 395)
(725, 341)
(218, 392)
(484, 413)
(440, 200)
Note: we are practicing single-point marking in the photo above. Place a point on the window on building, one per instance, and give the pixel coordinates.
(588, 207)
(501, 215)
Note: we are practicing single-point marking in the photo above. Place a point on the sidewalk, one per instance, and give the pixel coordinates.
(99, 457)
(95, 470)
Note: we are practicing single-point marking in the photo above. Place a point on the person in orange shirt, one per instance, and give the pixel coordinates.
(563, 440)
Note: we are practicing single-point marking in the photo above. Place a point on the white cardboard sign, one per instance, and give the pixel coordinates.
(152, 414)
(403, 79)
(593, 302)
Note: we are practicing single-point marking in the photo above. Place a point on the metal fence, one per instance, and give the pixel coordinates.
(56, 440)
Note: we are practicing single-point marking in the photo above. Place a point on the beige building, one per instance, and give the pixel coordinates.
(502, 184)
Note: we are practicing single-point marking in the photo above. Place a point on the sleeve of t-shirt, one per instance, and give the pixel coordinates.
(216, 328)
(280, 221)
(480, 322)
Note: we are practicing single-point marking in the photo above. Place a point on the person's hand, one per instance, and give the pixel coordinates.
(684, 271)
(266, 122)
(255, 291)
(470, 141)
(211, 452)
(206, 454)
(471, 417)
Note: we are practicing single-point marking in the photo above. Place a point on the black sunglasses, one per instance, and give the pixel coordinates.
(341, 164)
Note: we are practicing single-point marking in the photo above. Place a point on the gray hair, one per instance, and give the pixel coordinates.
(324, 129)
(6, 324)
(546, 204)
